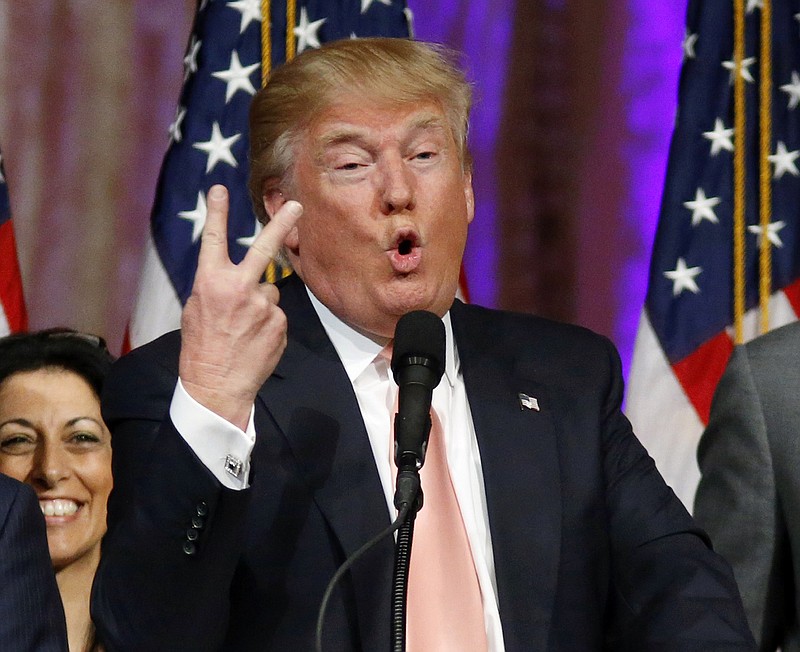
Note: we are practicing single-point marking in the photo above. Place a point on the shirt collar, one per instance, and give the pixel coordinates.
(357, 351)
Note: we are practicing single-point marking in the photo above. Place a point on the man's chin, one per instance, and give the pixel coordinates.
(408, 299)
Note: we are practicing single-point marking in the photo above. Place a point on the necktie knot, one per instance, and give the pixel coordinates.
(383, 364)
(386, 352)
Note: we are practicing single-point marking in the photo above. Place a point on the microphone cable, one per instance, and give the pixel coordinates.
(396, 524)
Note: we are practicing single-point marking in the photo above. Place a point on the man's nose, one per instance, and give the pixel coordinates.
(51, 466)
(397, 192)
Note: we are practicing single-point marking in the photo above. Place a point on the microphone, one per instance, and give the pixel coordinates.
(418, 356)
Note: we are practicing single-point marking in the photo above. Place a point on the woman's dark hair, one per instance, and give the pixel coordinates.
(60, 348)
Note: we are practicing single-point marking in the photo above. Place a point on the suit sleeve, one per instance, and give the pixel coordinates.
(672, 592)
(32, 619)
(174, 533)
(737, 499)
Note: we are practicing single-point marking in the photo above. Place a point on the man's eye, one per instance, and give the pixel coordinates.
(348, 166)
(425, 156)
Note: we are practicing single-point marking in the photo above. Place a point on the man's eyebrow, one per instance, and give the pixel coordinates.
(428, 122)
(342, 135)
(358, 136)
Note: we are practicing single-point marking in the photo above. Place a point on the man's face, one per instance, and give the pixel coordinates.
(387, 207)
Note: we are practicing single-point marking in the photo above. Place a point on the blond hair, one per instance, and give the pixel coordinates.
(391, 70)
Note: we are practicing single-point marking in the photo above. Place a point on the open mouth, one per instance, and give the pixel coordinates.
(405, 246)
(406, 254)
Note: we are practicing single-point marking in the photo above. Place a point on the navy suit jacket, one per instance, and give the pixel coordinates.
(592, 550)
(31, 616)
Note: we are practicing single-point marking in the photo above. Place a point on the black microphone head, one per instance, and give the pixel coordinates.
(419, 336)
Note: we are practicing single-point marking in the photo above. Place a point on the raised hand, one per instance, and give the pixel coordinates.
(232, 331)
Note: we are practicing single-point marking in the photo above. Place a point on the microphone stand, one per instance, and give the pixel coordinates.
(418, 355)
(408, 492)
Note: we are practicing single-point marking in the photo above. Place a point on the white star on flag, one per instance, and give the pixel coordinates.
(306, 32)
(682, 278)
(218, 148)
(196, 216)
(720, 138)
(689, 41)
(702, 207)
(2, 178)
(237, 77)
(793, 90)
(366, 4)
(175, 133)
(752, 5)
(745, 72)
(248, 241)
(190, 60)
(250, 10)
(784, 161)
(773, 229)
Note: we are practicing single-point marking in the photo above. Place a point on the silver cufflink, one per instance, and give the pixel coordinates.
(528, 402)
(233, 466)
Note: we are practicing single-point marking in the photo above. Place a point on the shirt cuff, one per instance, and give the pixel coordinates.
(222, 447)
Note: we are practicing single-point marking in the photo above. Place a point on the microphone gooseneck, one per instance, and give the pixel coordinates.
(417, 364)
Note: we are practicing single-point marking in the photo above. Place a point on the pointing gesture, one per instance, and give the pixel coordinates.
(233, 332)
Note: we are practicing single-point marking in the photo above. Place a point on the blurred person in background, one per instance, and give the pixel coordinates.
(52, 437)
(749, 494)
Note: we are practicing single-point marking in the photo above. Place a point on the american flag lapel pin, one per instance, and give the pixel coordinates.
(528, 402)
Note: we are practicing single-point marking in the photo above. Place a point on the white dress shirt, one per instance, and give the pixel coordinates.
(217, 442)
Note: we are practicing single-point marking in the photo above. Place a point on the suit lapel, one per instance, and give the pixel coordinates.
(312, 401)
(520, 464)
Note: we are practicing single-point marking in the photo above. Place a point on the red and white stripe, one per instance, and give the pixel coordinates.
(158, 308)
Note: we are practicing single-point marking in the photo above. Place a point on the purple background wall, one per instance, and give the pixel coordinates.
(627, 126)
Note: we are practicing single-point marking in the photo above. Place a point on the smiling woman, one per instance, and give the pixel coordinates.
(52, 436)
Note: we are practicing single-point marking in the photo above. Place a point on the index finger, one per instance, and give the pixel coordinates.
(268, 243)
(214, 237)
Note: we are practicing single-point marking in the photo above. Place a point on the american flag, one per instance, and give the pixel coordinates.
(686, 330)
(13, 317)
(209, 140)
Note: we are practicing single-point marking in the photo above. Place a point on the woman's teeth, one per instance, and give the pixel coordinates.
(58, 507)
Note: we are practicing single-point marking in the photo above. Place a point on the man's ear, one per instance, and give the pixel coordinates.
(273, 199)
(272, 196)
(469, 197)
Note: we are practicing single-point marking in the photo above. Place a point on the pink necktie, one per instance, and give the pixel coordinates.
(445, 611)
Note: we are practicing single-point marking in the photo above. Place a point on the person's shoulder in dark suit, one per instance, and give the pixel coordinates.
(747, 496)
(31, 615)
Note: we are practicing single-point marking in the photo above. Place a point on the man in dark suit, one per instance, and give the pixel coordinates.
(31, 615)
(748, 497)
(251, 449)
